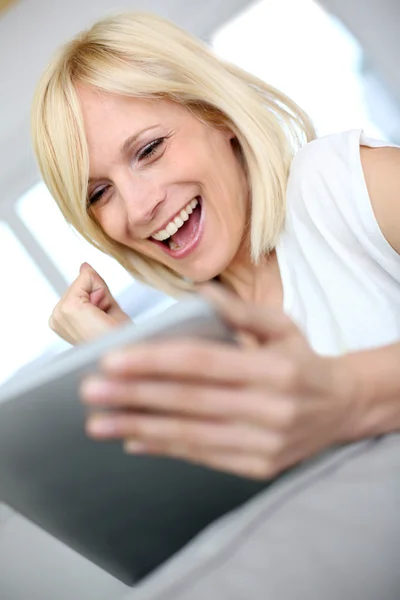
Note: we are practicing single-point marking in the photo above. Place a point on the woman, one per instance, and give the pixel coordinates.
(181, 167)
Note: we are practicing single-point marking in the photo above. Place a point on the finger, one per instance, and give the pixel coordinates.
(187, 436)
(204, 361)
(90, 288)
(91, 282)
(99, 293)
(84, 266)
(242, 465)
(195, 401)
(103, 299)
(198, 360)
(100, 297)
(79, 324)
(81, 288)
(251, 466)
(265, 323)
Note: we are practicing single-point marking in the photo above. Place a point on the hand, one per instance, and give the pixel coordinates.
(87, 309)
(253, 410)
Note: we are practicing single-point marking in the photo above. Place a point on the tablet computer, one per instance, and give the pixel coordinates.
(127, 514)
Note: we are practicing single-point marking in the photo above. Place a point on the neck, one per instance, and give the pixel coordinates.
(258, 283)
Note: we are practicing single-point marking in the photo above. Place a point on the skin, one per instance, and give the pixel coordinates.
(256, 409)
(141, 193)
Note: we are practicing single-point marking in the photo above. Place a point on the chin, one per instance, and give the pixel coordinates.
(206, 268)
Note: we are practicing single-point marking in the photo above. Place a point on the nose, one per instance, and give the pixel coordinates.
(142, 203)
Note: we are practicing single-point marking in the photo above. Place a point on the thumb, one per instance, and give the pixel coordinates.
(93, 281)
(95, 286)
(100, 295)
(84, 267)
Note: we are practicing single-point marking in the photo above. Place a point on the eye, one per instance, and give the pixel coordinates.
(151, 148)
(96, 196)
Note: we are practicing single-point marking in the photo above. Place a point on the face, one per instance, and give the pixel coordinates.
(165, 184)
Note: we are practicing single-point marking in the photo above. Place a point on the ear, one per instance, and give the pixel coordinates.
(236, 148)
(230, 136)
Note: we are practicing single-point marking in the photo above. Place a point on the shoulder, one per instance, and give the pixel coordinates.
(323, 174)
(352, 171)
(320, 153)
(327, 160)
(381, 168)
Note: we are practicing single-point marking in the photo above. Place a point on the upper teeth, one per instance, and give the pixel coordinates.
(176, 223)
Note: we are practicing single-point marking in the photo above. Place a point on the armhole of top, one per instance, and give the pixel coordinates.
(362, 197)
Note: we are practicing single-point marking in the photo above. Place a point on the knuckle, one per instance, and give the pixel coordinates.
(277, 445)
(183, 353)
(65, 309)
(52, 322)
(191, 354)
(56, 310)
(186, 353)
(181, 397)
(195, 439)
(141, 428)
(203, 358)
(187, 451)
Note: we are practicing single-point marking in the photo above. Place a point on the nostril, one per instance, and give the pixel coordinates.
(156, 207)
(142, 213)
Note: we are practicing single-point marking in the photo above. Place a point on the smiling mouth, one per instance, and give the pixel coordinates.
(181, 234)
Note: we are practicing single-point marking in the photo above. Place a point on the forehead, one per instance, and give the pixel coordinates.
(104, 112)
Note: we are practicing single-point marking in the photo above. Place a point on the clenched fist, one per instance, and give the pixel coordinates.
(87, 309)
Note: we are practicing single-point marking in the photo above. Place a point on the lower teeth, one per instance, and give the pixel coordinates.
(173, 245)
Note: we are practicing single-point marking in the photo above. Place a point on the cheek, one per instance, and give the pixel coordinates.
(230, 197)
(113, 223)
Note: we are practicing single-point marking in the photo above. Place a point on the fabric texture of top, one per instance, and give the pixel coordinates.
(341, 278)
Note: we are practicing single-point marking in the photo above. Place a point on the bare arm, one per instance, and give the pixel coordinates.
(382, 174)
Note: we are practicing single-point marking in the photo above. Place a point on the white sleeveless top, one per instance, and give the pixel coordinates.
(341, 278)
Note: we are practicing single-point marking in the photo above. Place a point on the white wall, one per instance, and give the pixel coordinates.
(376, 25)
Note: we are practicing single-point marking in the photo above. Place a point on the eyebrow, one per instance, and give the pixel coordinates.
(132, 139)
(128, 143)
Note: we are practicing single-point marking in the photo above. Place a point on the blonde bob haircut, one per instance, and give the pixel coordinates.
(144, 56)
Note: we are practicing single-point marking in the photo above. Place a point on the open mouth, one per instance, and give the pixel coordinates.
(182, 234)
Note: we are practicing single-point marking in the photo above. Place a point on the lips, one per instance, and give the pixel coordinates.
(176, 222)
(188, 235)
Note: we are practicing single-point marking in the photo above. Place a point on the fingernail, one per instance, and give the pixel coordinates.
(95, 390)
(101, 426)
(134, 447)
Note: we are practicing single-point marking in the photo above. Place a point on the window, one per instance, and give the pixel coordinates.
(27, 300)
(30, 299)
(300, 49)
(64, 246)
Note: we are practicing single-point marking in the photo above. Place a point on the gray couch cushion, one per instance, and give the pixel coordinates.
(36, 566)
(328, 530)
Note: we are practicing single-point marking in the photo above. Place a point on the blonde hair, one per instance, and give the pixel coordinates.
(143, 55)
